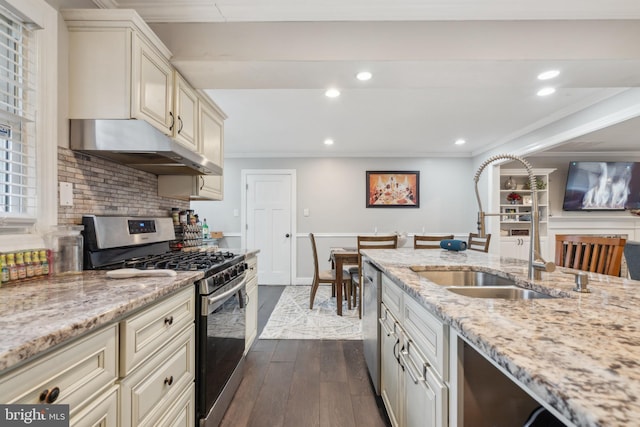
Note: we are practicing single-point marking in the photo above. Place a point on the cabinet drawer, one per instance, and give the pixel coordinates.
(158, 382)
(102, 412)
(181, 414)
(428, 333)
(392, 296)
(79, 370)
(142, 335)
(252, 267)
(252, 283)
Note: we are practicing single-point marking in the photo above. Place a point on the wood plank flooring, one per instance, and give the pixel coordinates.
(303, 383)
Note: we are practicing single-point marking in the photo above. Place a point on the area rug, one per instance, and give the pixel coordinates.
(292, 319)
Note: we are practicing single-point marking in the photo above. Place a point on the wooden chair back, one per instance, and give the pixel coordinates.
(590, 253)
(429, 242)
(316, 269)
(477, 243)
(632, 256)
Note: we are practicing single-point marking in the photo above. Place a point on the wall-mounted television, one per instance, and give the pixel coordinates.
(602, 186)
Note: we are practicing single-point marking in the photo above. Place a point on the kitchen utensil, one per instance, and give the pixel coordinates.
(125, 273)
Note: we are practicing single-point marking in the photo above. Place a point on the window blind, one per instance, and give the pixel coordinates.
(17, 124)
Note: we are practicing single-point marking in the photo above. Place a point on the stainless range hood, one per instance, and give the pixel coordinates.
(139, 145)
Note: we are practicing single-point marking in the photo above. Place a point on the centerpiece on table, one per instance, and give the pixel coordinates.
(514, 198)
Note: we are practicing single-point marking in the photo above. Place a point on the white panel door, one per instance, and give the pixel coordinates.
(269, 227)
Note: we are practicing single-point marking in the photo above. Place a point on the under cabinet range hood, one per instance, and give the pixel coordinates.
(137, 144)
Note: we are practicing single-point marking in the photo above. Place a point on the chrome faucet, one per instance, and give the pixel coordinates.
(536, 263)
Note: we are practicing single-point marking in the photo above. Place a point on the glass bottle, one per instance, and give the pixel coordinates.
(37, 264)
(44, 259)
(22, 269)
(28, 264)
(4, 270)
(13, 268)
(205, 229)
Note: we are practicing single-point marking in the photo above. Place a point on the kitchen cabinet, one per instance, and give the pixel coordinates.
(211, 145)
(185, 126)
(252, 304)
(81, 374)
(414, 361)
(518, 247)
(158, 361)
(118, 68)
(515, 204)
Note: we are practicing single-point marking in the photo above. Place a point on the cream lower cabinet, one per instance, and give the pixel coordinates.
(414, 361)
(518, 247)
(81, 374)
(139, 372)
(252, 305)
(158, 361)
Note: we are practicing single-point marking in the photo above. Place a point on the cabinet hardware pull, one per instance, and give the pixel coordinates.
(169, 380)
(202, 182)
(168, 320)
(413, 376)
(181, 124)
(173, 120)
(50, 396)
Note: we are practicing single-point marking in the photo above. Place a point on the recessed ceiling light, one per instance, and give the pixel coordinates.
(460, 141)
(328, 141)
(546, 91)
(332, 93)
(547, 75)
(364, 76)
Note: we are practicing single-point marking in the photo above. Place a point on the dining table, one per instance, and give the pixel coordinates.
(340, 257)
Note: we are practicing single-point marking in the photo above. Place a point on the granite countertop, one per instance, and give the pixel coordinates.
(578, 353)
(37, 315)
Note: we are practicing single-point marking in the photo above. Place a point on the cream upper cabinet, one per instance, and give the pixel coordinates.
(211, 145)
(152, 87)
(185, 127)
(118, 68)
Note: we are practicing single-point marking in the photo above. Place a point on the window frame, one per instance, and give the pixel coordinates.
(26, 234)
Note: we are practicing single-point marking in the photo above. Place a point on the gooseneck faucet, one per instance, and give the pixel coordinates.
(536, 263)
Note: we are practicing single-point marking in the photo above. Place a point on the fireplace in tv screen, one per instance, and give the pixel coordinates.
(603, 186)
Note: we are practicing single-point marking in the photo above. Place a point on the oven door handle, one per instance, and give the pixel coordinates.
(207, 301)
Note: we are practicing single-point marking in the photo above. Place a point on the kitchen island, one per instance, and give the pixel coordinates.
(577, 353)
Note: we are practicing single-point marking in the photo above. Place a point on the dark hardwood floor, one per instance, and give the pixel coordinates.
(303, 383)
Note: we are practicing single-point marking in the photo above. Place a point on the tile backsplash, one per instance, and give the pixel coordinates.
(102, 187)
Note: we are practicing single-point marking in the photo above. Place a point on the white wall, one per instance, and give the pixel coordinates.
(333, 189)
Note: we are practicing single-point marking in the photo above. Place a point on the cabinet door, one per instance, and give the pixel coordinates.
(101, 412)
(389, 366)
(211, 134)
(152, 83)
(186, 109)
(252, 312)
(425, 401)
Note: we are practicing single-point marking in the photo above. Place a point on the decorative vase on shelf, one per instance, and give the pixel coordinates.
(510, 184)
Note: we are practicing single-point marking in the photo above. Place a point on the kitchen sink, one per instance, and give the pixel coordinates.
(501, 292)
(463, 278)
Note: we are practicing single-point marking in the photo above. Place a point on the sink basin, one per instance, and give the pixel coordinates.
(502, 292)
(465, 278)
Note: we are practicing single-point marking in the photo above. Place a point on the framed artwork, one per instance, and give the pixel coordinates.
(393, 189)
(526, 200)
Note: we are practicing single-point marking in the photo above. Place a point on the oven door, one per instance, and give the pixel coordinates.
(221, 342)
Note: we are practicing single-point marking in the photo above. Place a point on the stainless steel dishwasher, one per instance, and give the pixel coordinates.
(371, 297)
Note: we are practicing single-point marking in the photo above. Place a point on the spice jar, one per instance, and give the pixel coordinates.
(175, 215)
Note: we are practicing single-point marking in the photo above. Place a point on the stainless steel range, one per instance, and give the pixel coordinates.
(128, 242)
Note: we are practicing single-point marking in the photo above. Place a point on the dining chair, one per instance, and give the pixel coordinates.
(367, 242)
(632, 256)
(590, 253)
(324, 276)
(477, 243)
(429, 242)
